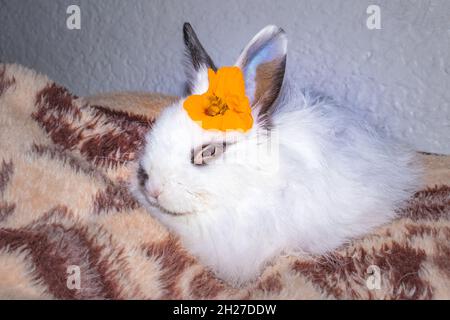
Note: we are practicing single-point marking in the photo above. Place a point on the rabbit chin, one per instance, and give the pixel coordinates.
(151, 205)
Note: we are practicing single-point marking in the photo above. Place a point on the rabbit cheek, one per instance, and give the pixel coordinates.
(176, 200)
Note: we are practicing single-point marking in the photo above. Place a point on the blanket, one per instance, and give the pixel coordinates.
(69, 228)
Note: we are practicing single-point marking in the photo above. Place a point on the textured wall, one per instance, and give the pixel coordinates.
(401, 73)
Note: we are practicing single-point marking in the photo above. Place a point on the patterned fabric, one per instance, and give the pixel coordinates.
(64, 165)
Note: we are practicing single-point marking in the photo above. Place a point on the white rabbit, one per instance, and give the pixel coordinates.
(329, 176)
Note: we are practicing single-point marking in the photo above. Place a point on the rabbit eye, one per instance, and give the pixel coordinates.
(204, 154)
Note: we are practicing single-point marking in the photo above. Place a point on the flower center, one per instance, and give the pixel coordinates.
(216, 106)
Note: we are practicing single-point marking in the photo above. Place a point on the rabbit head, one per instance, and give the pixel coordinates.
(187, 170)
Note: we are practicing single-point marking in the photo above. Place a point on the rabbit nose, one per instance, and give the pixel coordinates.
(153, 191)
(143, 179)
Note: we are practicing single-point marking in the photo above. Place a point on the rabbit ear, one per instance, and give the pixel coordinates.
(197, 62)
(263, 62)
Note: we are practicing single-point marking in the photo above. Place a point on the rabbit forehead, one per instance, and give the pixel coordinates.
(175, 131)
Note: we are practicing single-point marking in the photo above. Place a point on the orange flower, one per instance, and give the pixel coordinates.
(224, 106)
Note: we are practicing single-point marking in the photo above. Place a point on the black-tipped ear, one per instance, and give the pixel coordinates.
(197, 59)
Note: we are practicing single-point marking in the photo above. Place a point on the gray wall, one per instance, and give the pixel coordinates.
(401, 73)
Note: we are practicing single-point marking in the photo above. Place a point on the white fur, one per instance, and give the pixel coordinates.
(200, 82)
(332, 178)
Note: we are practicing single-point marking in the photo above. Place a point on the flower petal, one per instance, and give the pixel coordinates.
(226, 89)
(213, 81)
(195, 106)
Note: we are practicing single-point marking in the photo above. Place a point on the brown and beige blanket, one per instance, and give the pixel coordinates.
(64, 165)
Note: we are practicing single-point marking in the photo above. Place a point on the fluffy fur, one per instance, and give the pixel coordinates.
(306, 178)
